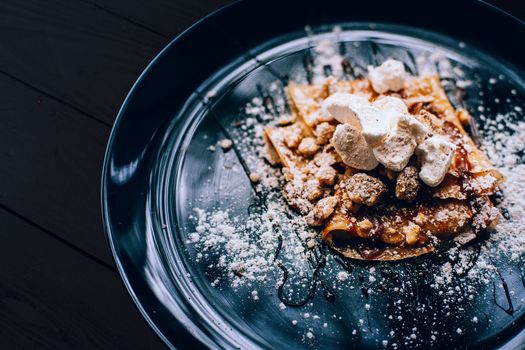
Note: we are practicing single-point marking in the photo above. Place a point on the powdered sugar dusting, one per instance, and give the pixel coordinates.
(242, 246)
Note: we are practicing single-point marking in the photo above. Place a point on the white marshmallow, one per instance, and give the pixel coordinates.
(397, 113)
(397, 148)
(399, 145)
(391, 104)
(352, 147)
(374, 124)
(435, 155)
(389, 76)
(418, 129)
(342, 107)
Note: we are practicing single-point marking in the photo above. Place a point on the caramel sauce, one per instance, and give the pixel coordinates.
(461, 165)
(389, 223)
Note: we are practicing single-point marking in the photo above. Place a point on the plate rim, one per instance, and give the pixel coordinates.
(513, 342)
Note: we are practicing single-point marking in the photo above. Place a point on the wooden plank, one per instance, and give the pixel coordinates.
(72, 50)
(166, 17)
(54, 298)
(52, 158)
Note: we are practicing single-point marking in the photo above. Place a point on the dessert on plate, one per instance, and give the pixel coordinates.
(383, 166)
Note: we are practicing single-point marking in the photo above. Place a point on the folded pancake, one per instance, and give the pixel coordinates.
(396, 233)
(371, 223)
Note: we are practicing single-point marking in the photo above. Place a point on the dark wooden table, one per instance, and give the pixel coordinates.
(65, 68)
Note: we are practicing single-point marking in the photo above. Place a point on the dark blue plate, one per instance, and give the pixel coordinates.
(157, 168)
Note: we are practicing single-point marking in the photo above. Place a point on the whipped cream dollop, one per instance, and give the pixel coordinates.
(389, 76)
(384, 132)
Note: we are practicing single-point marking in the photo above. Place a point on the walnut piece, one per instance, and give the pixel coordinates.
(324, 159)
(312, 189)
(324, 132)
(365, 189)
(420, 218)
(293, 136)
(411, 233)
(308, 146)
(326, 175)
(363, 228)
(322, 210)
(407, 184)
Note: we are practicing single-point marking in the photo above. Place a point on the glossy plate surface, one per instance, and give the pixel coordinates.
(158, 169)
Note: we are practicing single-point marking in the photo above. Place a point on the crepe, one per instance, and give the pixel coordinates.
(317, 180)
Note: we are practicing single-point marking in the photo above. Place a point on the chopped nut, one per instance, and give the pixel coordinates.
(226, 144)
(313, 190)
(294, 194)
(420, 219)
(392, 236)
(352, 147)
(238, 269)
(365, 224)
(324, 132)
(293, 136)
(320, 116)
(451, 187)
(324, 159)
(363, 188)
(411, 233)
(308, 146)
(407, 184)
(363, 227)
(254, 177)
(326, 175)
(322, 210)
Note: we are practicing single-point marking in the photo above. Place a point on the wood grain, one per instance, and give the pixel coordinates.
(65, 68)
(52, 158)
(54, 151)
(72, 50)
(54, 298)
(166, 17)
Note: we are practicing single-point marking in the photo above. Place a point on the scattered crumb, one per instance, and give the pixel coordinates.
(226, 144)
(242, 247)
